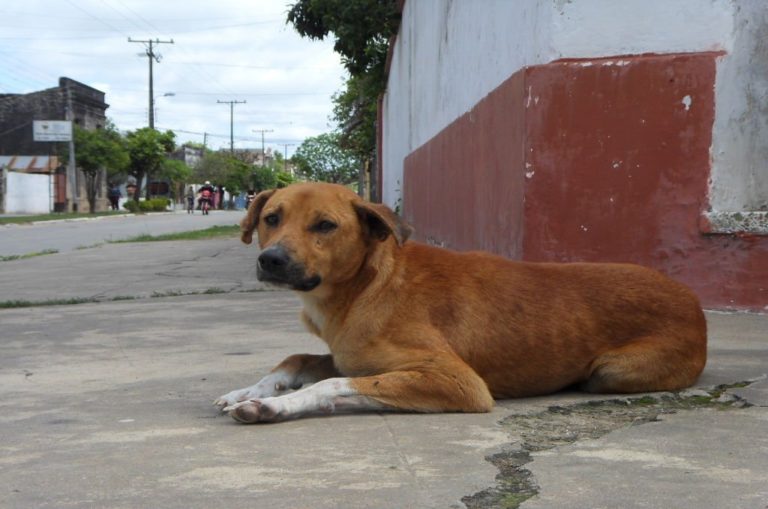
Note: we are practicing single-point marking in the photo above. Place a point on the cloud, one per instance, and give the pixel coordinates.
(224, 50)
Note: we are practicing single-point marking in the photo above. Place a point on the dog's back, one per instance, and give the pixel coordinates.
(530, 328)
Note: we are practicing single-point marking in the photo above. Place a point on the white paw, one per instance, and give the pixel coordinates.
(271, 385)
(252, 411)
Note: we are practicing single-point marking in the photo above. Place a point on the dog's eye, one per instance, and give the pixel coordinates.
(271, 219)
(324, 226)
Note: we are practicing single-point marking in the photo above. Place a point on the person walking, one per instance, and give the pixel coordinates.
(190, 200)
(114, 196)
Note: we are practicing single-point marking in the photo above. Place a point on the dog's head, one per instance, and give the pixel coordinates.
(313, 234)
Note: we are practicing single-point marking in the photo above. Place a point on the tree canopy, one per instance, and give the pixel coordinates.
(238, 176)
(363, 30)
(321, 158)
(148, 149)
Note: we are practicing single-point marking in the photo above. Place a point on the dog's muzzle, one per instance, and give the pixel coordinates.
(277, 267)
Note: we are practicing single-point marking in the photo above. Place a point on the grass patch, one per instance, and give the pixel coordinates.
(56, 216)
(181, 293)
(81, 248)
(28, 255)
(10, 304)
(208, 233)
(123, 297)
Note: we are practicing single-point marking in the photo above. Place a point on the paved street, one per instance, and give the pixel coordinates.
(72, 234)
(108, 404)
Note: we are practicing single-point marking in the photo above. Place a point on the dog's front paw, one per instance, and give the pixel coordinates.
(273, 384)
(253, 411)
(232, 398)
(260, 390)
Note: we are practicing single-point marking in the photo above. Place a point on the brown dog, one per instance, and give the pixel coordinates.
(418, 328)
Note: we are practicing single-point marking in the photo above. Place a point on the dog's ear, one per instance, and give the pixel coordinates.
(251, 219)
(382, 221)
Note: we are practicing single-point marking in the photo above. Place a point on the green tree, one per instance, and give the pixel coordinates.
(239, 176)
(212, 166)
(262, 178)
(148, 150)
(177, 173)
(321, 158)
(97, 151)
(362, 29)
(284, 178)
(355, 115)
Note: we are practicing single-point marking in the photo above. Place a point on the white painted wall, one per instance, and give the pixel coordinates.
(28, 193)
(451, 53)
(740, 142)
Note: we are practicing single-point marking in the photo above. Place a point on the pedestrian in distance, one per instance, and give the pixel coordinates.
(190, 200)
(114, 196)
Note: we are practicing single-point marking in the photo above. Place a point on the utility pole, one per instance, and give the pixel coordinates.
(263, 153)
(151, 56)
(231, 123)
(285, 155)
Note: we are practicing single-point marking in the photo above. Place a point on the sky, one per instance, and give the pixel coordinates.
(223, 50)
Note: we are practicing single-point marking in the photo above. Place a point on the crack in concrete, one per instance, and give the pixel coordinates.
(564, 425)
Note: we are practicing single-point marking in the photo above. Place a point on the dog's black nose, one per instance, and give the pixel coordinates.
(274, 259)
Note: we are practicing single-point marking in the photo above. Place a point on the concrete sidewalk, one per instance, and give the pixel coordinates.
(108, 404)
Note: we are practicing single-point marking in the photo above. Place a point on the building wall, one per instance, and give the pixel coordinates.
(28, 193)
(740, 144)
(449, 55)
(70, 100)
(547, 143)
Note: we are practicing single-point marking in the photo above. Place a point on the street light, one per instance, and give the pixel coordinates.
(167, 94)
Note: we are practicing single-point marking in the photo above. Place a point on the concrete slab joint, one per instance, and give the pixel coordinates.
(560, 426)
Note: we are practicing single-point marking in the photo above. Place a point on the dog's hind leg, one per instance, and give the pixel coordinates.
(647, 364)
(292, 373)
(453, 387)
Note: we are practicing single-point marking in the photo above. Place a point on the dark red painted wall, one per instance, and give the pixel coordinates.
(594, 160)
(464, 189)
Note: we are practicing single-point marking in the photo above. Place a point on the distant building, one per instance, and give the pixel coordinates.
(70, 100)
(189, 155)
(254, 156)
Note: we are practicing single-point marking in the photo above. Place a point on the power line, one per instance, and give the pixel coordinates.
(210, 79)
(241, 138)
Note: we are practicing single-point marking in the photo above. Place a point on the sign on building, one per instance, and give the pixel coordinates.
(52, 130)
